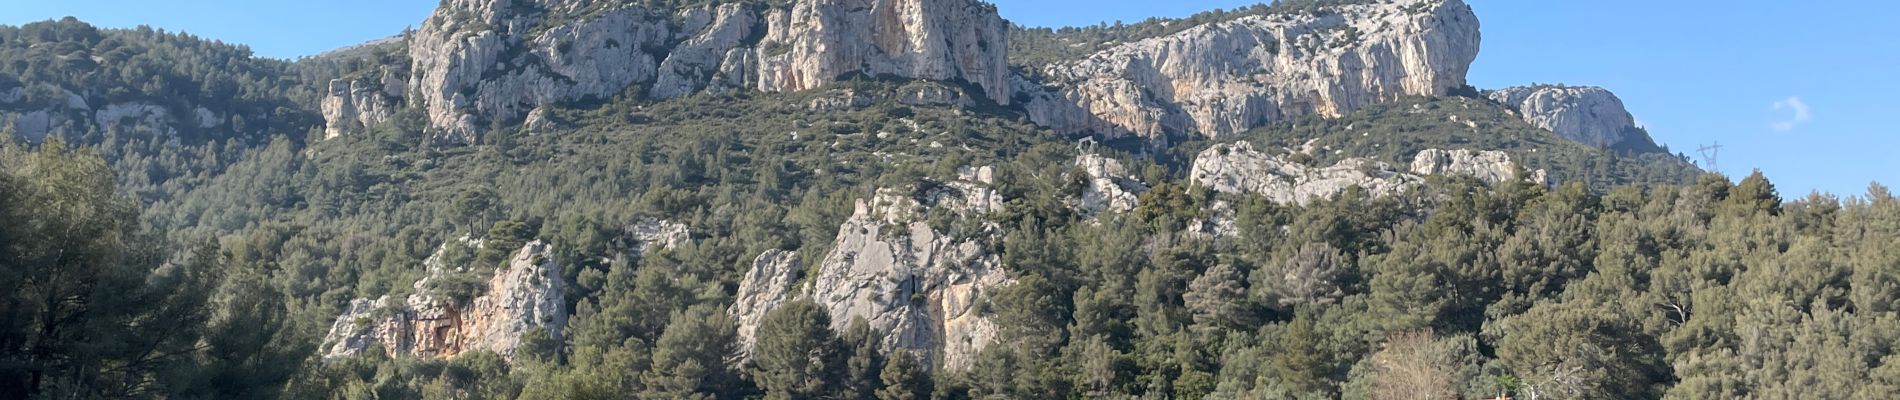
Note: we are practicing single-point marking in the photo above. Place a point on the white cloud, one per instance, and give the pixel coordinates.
(1802, 114)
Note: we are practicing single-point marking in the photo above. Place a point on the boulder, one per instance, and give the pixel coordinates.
(1588, 115)
(1487, 165)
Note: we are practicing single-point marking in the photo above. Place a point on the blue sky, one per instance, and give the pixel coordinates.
(1804, 91)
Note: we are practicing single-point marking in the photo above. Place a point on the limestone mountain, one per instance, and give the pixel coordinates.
(478, 63)
(884, 199)
(1227, 77)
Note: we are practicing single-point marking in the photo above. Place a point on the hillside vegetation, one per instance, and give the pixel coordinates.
(215, 262)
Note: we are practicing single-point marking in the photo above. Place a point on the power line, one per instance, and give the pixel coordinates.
(1711, 156)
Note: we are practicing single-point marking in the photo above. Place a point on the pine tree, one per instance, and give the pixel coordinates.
(1309, 276)
(904, 378)
(689, 360)
(1217, 300)
(864, 361)
(797, 356)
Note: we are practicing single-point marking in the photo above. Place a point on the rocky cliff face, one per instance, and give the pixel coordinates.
(1588, 115)
(1228, 77)
(816, 41)
(918, 287)
(355, 105)
(1240, 169)
(482, 62)
(526, 296)
(766, 286)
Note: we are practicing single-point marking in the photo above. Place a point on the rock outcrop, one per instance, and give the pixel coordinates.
(524, 297)
(920, 289)
(355, 105)
(1588, 115)
(1228, 77)
(1106, 186)
(816, 41)
(1487, 165)
(33, 125)
(479, 62)
(1239, 169)
(649, 234)
(766, 286)
(707, 58)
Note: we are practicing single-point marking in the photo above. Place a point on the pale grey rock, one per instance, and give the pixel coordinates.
(525, 296)
(540, 121)
(481, 62)
(931, 95)
(1227, 77)
(737, 72)
(1218, 220)
(837, 100)
(1239, 169)
(206, 118)
(138, 113)
(1588, 115)
(658, 234)
(815, 42)
(353, 333)
(1487, 165)
(694, 64)
(13, 95)
(34, 125)
(36, 118)
(138, 116)
(74, 101)
(917, 288)
(766, 286)
(1108, 187)
(355, 105)
(972, 194)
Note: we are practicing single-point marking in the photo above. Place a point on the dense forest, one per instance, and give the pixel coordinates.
(137, 266)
